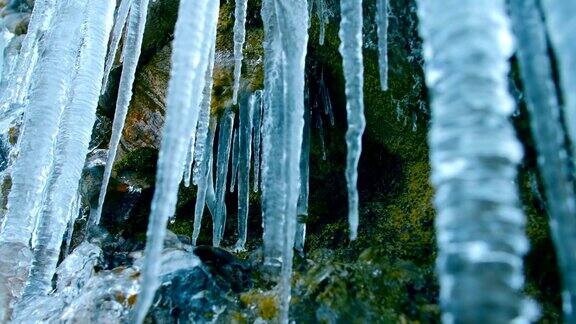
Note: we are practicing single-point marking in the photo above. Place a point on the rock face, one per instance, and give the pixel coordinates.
(147, 108)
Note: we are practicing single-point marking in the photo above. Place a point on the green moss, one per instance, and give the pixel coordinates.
(141, 161)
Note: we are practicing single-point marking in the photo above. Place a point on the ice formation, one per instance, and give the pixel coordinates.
(234, 162)
(382, 23)
(48, 97)
(561, 21)
(351, 50)
(474, 156)
(204, 180)
(247, 105)
(119, 24)
(132, 49)
(189, 63)
(239, 39)
(74, 135)
(224, 146)
(542, 103)
(257, 138)
(63, 67)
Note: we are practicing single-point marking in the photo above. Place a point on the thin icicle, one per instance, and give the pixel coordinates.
(239, 39)
(224, 147)
(235, 161)
(119, 24)
(203, 181)
(326, 101)
(542, 103)
(561, 23)
(134, 36)
(48, 98)
(257, 126)
(247, 104)
(189, 63)
(320, 126)
(292, 18)
(204, 118)
(74, 136)
(351, 50)
(74, 213)
(273, 156)
(304, 185)
(382, 23)
(474, 158)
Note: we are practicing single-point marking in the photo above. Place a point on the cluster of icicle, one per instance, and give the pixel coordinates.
(63, 68)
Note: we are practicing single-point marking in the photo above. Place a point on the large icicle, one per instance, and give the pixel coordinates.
(542, 103)
(257, 139)
(247, 104)
(351, 50)
(190, 54)
(239, 39)
(561, 23)
(235, 161)
(48, 97)
(71, 147)
(304, 184)
(203, 181)
(474, 157)
(40, 20)
(273, 156)
(119, 24)
(134, 36)
(293, 21)
(382, 23)
(204, 118)
(224, 144)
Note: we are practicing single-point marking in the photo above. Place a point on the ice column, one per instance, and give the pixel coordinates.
(474, 157)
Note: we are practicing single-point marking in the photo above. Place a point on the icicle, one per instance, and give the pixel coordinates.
(474, 157)
(239, 39)
(189, 63)
(74, 212)
(203, 181)
(304, 187)
(382, 23)
(224, 144)
(292, 18)
(257, 124)
(351, 50)
(542, 103)
(204, 118)
(199, 87)
(119, 24)
(19, 84)
(326, 101)
(561, 21)
(323, 19)
(273, 155)
(320, 126)
(135, 34)
(49, 93)
(247, 105)
(234, 162)
(210, 195)
(71, 146)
